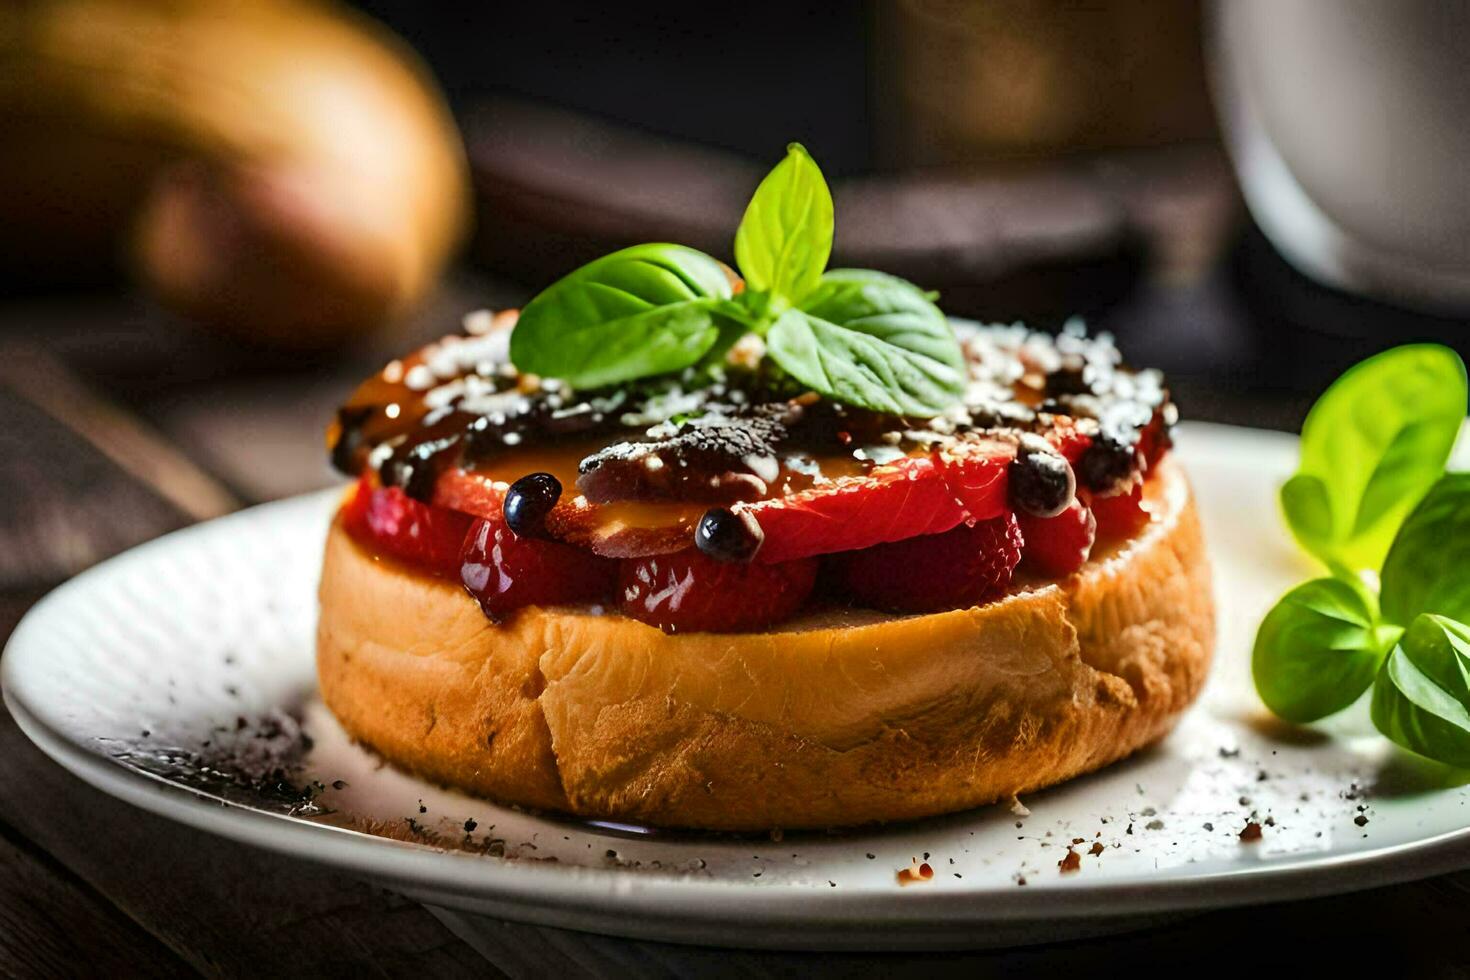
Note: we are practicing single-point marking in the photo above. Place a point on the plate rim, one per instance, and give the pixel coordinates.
(548, 892)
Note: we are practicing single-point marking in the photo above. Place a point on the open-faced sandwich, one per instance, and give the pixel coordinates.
(782, 549)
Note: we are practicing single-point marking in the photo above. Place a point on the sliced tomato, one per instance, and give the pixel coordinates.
(1155, 440)
(903, 499)
(390, 522)
(505, 572)
(1121, 515)
(964, 566)
(470, 493)
(690, 592)
(1069, 442)
(624, 529)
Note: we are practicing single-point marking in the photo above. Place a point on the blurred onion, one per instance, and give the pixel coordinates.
(289, 172)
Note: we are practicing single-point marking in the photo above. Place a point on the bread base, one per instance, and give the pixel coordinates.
(843, 717)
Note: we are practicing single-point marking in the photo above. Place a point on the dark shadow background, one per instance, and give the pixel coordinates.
(746, 77)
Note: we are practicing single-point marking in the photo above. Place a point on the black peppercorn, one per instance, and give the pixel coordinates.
(727, 536)
(528, 501)
(1041, 482)
(1107, 463)
(1069, 379)
(1053, 407)
(349, 438)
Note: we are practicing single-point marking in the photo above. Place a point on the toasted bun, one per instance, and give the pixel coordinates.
(842, 717)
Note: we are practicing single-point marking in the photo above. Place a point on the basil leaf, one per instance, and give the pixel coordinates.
(1421, 698)
(873, 341)
(641, 311)
(1318, 649)
(1428, 567)
(785, 238)
(733, 321)
(1371, 447)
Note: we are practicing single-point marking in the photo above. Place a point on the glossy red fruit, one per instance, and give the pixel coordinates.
(921, 495)
(687, 592)
(1155, 440)
(902, 499)
(1121, 515)
(390, 522)
(1058, 546)
(471, 493)
(505, 572)
(1069, 442)
(961, 567)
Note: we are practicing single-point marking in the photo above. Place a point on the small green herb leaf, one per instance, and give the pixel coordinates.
(785, 238)
(642, 311)
(871, 340)
(1428, 567)
(1371, 447)
(1421, 697)
(1318, 649)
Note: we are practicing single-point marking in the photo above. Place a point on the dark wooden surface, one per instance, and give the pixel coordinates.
(117, 425)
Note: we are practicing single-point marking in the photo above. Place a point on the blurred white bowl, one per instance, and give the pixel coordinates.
(1349, 125)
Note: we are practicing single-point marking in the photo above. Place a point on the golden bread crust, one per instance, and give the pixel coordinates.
(843, 717)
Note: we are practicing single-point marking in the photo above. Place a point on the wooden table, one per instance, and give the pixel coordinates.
(117, 425)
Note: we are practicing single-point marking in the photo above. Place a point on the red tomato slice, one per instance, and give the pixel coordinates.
(904, 499)
(898, 500)
(617, 530)
(1120, 516)
(1069, 442)
(470, 493)
(392, 523)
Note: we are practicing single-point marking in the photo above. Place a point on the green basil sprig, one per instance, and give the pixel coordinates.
(1421, 699)
(785, 238)
(1428, 567)
(1371, 447)
(1372, 496)
(870, 339)
(859, 337)
(644, 310)
(1319, 648)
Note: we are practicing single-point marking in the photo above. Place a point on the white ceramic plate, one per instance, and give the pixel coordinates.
(180, 675)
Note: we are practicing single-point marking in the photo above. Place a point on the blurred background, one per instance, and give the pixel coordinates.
(217, 217)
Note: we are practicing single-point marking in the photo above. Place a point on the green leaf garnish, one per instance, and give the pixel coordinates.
(785, 238)
(869, 339)
(1371, 447)
(1319, 649)
(1371, 493)
(645, 310)
(863, 338)
(1428, 567)
(1421, 697)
